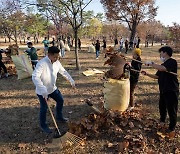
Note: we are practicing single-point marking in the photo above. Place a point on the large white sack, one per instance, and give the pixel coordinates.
(23, 66)
(116, 94)
(67, 48)
(91, 48)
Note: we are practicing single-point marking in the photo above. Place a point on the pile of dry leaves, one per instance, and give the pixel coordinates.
(130, 131)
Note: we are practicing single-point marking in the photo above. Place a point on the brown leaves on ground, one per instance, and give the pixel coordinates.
(131, 131)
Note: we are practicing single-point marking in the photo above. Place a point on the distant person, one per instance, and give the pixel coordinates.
(115, 41)
(53, 42)
(28, 40)
(44, 78)
(31, 51)
(138, 42)
(2, 66)
(121, 42)
(46, 45)
(130, 45)
(104, 44)
(126, 46)
(69, 41)
(97, 47)
(79, 43)
(135, 42)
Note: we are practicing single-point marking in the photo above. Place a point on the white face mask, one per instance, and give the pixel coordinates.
(162, 59)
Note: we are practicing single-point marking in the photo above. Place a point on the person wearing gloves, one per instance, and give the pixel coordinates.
(134, 76)
(44, 77)
(168, 87)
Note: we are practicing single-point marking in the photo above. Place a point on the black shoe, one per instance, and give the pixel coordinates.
(46, 130)
(63, 120)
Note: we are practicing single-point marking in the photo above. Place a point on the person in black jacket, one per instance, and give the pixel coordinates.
(168, 86)
(2, 64)
(97, 47)
(134, 76)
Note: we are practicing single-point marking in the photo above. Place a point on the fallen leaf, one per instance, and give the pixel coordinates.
(21, 145)
(110, 145)
(131, 125)
(161, 135)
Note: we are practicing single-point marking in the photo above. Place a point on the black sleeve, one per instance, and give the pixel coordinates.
(171, 65)
(157, 73)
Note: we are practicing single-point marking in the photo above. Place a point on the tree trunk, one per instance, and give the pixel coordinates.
(34, 39)
(78, 67)
(152, 40)
(133, 33)
(20, 40)
(15, 38)
(5, 40)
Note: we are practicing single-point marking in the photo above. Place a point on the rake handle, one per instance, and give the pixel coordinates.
(144, 63)
(55, 123)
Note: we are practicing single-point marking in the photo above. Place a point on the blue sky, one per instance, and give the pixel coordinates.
(168, 12)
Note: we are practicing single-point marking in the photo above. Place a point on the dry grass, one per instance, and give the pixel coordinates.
(19, 106)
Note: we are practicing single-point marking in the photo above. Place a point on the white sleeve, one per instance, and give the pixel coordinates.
(64, 73)
(37, 80)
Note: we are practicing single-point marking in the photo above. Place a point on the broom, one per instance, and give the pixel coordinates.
(66, 141)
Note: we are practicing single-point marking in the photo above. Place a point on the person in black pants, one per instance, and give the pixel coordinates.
(97, 47)
(2, 66)
(134, 76)
(168, 86)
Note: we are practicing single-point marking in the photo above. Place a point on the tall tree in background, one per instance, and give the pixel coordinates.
(35, 25)
(11, 19)
(150, 30)
(130, 11)
(72, 11)
(175, 36)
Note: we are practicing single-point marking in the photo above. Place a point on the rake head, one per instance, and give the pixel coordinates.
(65, 143)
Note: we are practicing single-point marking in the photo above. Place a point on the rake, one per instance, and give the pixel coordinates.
(88, 102)
(66, 141)
(144, 63)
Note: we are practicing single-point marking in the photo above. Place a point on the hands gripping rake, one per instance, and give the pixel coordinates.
(63, 142)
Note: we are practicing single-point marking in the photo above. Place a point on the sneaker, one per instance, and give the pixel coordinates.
(63, 120)
(46, 130)
(97, 58)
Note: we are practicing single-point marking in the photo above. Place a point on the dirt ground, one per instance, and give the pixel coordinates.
(19, 110)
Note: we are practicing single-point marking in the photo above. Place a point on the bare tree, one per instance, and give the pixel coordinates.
(74, 12)
(130, 11)
(71, 12)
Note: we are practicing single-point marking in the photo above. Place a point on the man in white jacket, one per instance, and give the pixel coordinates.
(44, 77)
